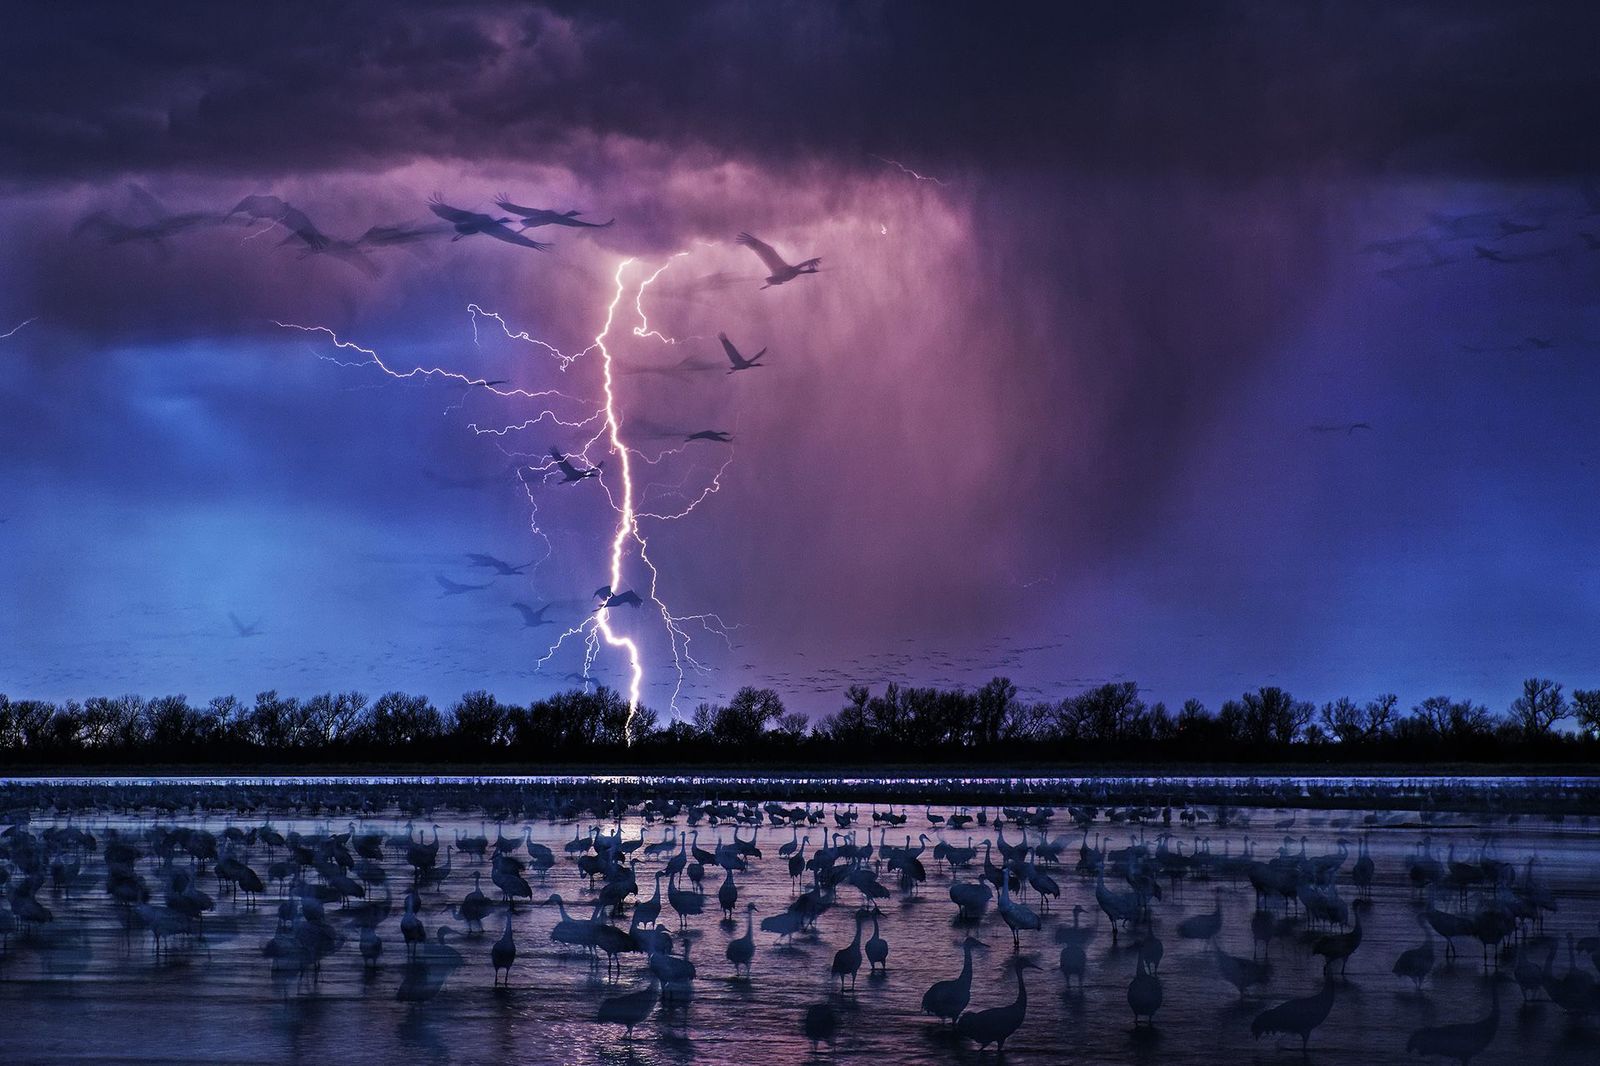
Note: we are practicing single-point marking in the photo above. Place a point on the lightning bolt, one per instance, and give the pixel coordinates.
(629, 518)
(643, 328)
(905, 169)
(14, 330)
(562, 359)
(627, 524)
(622, 491)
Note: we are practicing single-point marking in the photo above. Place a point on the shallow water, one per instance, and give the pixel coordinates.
(87, 988)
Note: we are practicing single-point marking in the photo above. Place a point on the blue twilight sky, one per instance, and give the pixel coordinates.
(1215, 349)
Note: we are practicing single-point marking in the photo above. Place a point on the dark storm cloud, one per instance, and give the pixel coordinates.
(1476, 89)
(1001, 403)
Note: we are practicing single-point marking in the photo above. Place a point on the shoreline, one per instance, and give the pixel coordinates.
(1412, 796)
(853, 771)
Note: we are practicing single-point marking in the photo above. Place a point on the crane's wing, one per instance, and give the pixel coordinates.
(401, 233)
(446, 584)
(155, 209)
(103, 226)
(500, 233)
(516, 209)
(566, 467)
(452, 214)
(240, 626)
(346, 252)
(529, 616)
(299, 224)
(260, 205)
(733, 353)
(772, 259)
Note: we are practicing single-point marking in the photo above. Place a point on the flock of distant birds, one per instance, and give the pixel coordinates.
(160, 224)
(332, 887)
(1428, 249)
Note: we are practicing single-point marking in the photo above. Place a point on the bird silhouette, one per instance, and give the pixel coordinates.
(1240, 972)
(1414, 964)
(428, 970)
(1203, 926)
(632, 1008)
(251, 630)
(741, 950)
(272, 209)
(499, 566)
(402, 233)
(847, 960)
(718, 435)
(455, 588)
(820, 1023)
(115, 231)
(997, 1024)
(303, 231)
(778, 270)
(533, 619)
(739, 362)
(504, 951)
(1338, 947)
(1144, 993)
(1461, 1041)
(1296, 1017)
(571, 474)
(1074, 960)
(467, 223)
(629, 598)
(946, 1000)
(877, 948)
(536, 216)
(1017, 916)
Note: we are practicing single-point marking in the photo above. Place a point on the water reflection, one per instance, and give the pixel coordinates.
(1181, 933)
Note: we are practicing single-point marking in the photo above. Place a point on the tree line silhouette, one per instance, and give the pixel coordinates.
(900, 723)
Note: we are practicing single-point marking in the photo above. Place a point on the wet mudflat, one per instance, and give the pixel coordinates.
(130, 936)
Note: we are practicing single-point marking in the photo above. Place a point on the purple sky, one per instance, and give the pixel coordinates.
(1064, 404)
